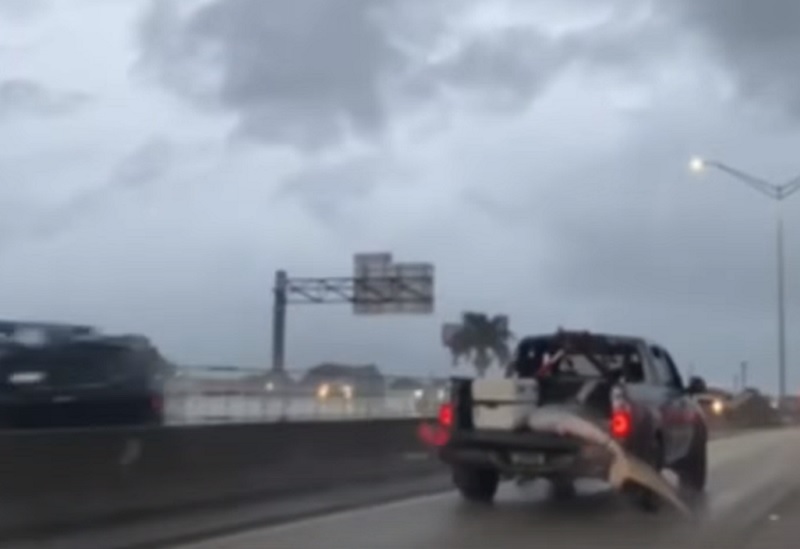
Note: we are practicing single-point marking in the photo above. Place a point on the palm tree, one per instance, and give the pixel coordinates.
(481, 341)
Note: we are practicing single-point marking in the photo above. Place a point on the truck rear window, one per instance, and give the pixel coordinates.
(579, 365)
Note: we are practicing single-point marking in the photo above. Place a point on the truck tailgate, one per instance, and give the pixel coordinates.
(514, 440)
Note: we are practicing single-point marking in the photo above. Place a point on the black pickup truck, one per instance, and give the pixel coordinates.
(627, 386)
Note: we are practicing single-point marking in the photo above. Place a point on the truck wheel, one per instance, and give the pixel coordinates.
(644, 498)
(476, 484)
(692, 469)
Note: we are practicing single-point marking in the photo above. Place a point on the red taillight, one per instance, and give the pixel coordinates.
(433, 435)
(438, 434)
(446, 415)
(621, 423)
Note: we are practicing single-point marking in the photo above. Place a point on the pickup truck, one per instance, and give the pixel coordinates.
(627, 386)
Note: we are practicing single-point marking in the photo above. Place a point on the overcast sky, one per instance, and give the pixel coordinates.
(160, 160)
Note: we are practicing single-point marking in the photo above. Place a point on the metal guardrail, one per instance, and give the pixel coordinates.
(228, 394)
(218, 406)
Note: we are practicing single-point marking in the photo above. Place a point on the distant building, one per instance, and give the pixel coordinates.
(791, 404)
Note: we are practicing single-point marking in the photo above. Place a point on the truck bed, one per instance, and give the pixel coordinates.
(591, 397)
(523, 450)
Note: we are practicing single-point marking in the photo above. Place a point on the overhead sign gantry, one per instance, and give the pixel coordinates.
(378, 286)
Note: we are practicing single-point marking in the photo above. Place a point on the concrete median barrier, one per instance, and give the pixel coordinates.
(61, 480)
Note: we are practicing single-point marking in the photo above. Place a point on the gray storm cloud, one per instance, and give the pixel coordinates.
(144, 165)
(312, 72)
(304, 72)
(23, 96)
(148, 162)
(327, 188)
(758, 42)
(21, 9)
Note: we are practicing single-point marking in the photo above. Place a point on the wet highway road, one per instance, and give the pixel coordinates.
(777, 529)
(749, 476)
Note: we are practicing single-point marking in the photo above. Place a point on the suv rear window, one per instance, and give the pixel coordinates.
(66, 365)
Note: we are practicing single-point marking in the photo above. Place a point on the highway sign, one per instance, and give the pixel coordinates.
(383, 287)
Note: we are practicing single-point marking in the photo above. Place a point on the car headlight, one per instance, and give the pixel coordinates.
(323, 390)
(418, 393)
(717, 406)
(347, 391)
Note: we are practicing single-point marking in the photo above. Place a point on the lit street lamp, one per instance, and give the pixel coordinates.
(697, 164)
(779, 193)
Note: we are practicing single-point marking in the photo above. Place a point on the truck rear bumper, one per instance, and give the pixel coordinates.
(527, 454)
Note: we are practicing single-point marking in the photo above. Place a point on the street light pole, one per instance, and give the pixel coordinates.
(779, 193)
(743, 374)
(781, 309)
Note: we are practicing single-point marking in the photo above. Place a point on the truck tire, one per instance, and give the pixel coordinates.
(692, 469)
(642, 497)
(476, 484)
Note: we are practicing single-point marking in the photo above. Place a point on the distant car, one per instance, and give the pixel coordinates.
(83, 382)
(335, 390)
(427, 399)
(713, 405)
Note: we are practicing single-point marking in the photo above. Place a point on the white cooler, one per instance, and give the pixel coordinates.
(508, 402)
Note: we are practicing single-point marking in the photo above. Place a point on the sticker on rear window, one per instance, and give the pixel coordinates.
(21, 378)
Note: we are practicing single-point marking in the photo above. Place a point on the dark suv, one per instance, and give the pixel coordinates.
(82, 382)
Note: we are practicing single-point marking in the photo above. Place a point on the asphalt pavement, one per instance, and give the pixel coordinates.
(777, 529)
(752, 480)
